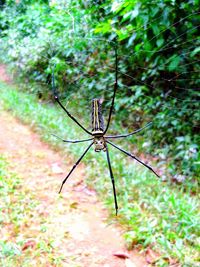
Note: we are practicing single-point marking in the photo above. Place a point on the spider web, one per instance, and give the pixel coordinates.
(183, 74)
(101, 78)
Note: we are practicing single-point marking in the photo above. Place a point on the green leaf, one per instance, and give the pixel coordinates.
(174, 63)
(160, 42)
(131, 39)
(195, 51)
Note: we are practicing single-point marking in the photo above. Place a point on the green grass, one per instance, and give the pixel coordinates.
(155, 214)
(18, 213)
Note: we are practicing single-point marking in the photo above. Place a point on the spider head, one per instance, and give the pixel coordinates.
(99, 143)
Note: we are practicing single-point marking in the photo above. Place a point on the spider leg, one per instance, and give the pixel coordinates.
(134, 157)
(115, 89)
(112, 179)
(58, 101)
(72, 117)
(72, 141)
(126, 135)
(75, 165)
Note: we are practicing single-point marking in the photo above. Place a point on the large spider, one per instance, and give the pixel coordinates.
(99, 138)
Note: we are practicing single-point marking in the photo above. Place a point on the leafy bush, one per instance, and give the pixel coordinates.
(158, 48)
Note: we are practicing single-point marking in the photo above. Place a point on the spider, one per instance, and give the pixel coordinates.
(98, 134)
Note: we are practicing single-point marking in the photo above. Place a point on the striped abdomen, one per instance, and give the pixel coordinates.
(97, 118)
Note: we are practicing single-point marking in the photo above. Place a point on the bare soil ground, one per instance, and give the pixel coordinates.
(76, 219)
(3, 74)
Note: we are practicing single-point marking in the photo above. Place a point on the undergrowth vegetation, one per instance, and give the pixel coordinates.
(158, 46)
(157, 215)
(24, 241)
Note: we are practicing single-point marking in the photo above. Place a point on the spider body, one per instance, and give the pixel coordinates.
(98, 126)
(98, 134)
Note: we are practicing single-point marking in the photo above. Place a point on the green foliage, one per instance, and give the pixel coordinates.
(164, 40)
(10, 212)
(158, 46)
(22, 225)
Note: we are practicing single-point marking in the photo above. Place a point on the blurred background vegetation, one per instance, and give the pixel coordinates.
(158, 45)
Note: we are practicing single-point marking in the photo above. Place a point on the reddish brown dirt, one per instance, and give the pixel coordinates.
(76, 220)
(3, 75)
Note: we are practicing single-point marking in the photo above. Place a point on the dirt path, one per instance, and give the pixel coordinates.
(3, 75)
(76, 220)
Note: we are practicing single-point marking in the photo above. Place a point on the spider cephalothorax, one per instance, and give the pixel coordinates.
(99, 143)
(98, 136)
